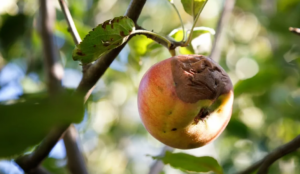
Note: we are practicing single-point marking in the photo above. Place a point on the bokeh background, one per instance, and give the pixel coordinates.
(259, 53)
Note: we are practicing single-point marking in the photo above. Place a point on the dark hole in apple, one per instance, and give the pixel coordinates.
(174, 129)
(216, 82)
(204, 112)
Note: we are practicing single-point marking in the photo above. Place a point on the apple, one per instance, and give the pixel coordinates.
(185, 101)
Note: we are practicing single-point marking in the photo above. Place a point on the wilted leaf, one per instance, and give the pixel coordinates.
(191, 163)
(103, 38)
(193, 7)
(25, 124)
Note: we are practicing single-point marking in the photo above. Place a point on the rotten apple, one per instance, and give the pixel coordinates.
(185, 101)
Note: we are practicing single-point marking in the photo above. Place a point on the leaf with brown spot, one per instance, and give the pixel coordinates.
(105, 37)
(122, 33)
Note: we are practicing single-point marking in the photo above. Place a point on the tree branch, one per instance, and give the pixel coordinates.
(295, 30)
(268, 160)
(224, 17)
(30, 163)
(279, 153)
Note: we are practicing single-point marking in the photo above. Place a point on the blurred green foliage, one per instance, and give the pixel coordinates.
(191, 163)
(259, 53)
(26, 122)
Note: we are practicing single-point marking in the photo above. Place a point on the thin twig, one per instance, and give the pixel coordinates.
(279, 153)
(216, 48)
(158, 165)
(264, 164)
(181, 22)
(69, 19)
(76, 162)
(295, 30)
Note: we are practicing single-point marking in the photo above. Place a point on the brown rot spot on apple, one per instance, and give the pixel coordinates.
(202, 115)
(160, 89)
(174, 129)
(199, 78)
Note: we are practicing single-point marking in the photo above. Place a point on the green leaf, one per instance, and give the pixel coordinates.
(193, 7)
(103, 38)
(191, 163)
(177, 34)
(25, 123)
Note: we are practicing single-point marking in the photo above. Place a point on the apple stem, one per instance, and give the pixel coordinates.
(172, 52)
(167, 42)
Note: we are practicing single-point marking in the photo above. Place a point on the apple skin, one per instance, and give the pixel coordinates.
(185, 101)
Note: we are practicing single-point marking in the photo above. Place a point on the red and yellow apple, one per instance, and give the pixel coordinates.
(185, 101)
